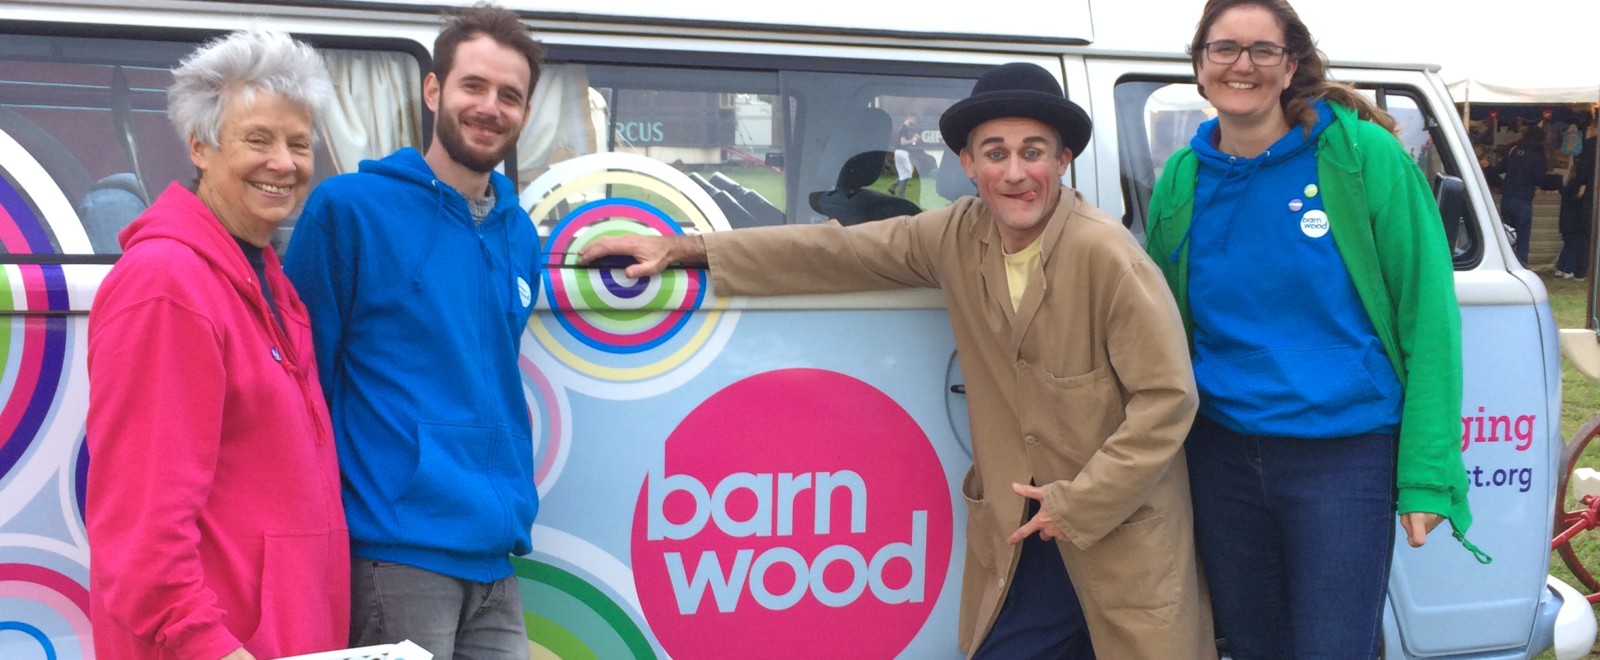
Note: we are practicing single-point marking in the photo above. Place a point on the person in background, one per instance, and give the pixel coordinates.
(213, 511)
(1521, 171)
(1079, 537)
(1577, 213)
(906, 138)
(1310, 265)
(420, 273)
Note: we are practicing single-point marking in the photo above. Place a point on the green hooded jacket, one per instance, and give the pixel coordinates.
(1406, 287)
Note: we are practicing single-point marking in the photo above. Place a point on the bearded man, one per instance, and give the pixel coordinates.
(419, 272)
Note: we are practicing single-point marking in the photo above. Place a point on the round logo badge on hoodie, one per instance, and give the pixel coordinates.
(1314, 224)
(524, 291)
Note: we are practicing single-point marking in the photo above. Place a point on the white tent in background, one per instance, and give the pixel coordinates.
(1490, 51)
(1525, 90)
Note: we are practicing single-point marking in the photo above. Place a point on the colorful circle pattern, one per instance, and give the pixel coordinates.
(548, 416)
(33, 348)
(627, 315)
(44, 599)
(47, 606)
(569, 617)
(604, 329)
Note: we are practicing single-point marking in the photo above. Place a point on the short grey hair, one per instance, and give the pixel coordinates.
(243, 63)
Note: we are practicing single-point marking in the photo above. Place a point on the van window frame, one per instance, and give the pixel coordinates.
(196, 37)
(1471, 255)
(766, 64)
(1130, 122)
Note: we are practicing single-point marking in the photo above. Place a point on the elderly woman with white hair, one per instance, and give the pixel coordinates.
(214, 519)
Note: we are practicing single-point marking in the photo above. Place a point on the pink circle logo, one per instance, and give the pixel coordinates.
(801, 512)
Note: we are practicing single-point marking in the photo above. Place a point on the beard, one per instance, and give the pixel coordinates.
(449, 131)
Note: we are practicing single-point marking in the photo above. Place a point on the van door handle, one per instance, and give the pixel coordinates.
(608, 262)
(955, 405)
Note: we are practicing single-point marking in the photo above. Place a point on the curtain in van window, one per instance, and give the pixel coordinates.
(376, 105)
(565, 122)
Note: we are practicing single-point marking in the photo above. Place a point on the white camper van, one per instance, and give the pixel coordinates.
(721, 477)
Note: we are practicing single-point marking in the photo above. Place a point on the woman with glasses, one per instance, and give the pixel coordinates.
(1310, 264)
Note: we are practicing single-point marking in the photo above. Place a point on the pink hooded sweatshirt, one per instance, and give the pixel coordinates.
(213, 505)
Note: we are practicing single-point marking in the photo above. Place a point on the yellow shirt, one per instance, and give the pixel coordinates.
(1019, 270)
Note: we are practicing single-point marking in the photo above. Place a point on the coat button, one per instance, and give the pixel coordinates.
(1032, 440)
(1022, 364)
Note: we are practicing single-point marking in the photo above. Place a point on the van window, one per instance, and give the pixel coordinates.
(1156, 118)
(90, 112)
(1419, 132)
(770, 146)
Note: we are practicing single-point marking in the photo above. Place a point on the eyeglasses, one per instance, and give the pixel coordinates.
(1228, 51)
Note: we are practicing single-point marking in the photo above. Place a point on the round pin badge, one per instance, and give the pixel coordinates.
(1295, 205)
(1311, 190)
(1314, 224)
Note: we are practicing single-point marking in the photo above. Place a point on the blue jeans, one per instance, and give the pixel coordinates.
(1518, 213)
(1296, 537)
(450, 617)
(1574, 258)
(1041, 618)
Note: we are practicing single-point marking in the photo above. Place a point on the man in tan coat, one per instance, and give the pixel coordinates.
(1077, 373)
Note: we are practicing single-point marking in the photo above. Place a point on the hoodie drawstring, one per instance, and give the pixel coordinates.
(433, 235)
(1195, 213)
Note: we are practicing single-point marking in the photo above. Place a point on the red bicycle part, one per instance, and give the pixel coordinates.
(1569, 524)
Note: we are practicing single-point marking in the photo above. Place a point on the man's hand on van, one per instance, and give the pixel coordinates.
(1417, 525)
(653, 253)
(1042, 522)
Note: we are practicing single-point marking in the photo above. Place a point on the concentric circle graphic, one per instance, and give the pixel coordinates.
(46, 609)
(37, 352)
(625, 315)
(599, 328)
(550, 417)
(579, 601)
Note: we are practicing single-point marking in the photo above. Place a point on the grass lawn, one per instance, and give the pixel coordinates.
(1580, 401)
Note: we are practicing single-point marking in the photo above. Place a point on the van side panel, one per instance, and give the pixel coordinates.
(1444, 600)
(44, 559)
(720, 477)
(757, 494)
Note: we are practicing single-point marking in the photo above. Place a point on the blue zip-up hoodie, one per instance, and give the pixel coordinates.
(417, 312)
(1277, 350)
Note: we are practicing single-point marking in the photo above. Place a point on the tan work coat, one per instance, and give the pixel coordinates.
(1084, 390)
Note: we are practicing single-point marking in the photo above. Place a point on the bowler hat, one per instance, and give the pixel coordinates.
(1018, 89)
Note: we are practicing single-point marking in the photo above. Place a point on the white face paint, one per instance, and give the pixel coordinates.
(1314, 224)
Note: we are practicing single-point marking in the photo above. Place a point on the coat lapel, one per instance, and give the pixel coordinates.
(1038, 283)
(992, 270)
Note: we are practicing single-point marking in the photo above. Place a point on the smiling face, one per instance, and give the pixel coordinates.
(1245, 91)
(1018, 164)
(480, 104)
(260, 170)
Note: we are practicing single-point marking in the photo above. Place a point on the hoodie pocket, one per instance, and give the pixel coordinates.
(304, 604)
(456, 499)
(1317, 387)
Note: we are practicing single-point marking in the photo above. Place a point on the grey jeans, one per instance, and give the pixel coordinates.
(450, 617)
